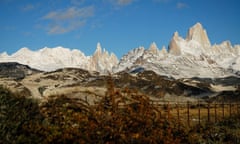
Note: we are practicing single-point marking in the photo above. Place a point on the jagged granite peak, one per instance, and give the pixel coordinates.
(98, 52)
(113, 58)
(196, 42)
(129, 59)
(174, 47)
(237, 49)
(153, 48)
(101, 60)
(199, 34)
(186, 58)
(164, 50)
(98, 49)
(225, 48)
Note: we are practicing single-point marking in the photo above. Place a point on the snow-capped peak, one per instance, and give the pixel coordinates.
(4, 54)
(99, 48)
(23, 50)
(153, 48)
(48, 59)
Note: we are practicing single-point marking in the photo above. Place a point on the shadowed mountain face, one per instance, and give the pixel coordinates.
(15, 70)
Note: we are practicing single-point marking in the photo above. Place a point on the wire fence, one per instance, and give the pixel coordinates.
(193, 113)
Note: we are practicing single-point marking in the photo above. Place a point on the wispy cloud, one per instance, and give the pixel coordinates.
(63, 21)
(77, 2)
(8, 28)
(124, 2)
(161, 1)
(120, 2)
(70, 13)
(27, 34)
(181, 5)
(28, 7)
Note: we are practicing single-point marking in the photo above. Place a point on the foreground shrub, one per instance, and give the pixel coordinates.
(15, 114)
(121, 116)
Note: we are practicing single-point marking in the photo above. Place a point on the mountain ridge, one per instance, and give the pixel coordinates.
(193, 56)
(50, 59)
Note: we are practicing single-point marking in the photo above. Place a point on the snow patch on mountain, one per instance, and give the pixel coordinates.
(49, 59)
(190, 57)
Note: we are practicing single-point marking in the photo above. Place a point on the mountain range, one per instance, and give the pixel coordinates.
(193, 56)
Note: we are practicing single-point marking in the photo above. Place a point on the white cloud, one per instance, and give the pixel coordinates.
(63, 21)
(182, 5)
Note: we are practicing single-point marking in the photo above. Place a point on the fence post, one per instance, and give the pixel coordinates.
(208, 111)
(230, 110)
(178, 114)
(199, 113)
(215, 111)
(238, 108)
(168, 111)
(188, 115)
(223, 110)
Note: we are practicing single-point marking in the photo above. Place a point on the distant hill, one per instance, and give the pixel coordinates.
(15, 70)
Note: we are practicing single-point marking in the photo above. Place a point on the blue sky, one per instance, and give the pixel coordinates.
(119, 25)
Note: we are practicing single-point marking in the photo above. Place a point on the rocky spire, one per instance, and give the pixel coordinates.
(153, 48)
(98, 51)
(174, 48)
(164, 50)
(199, 34)
(102, 60)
